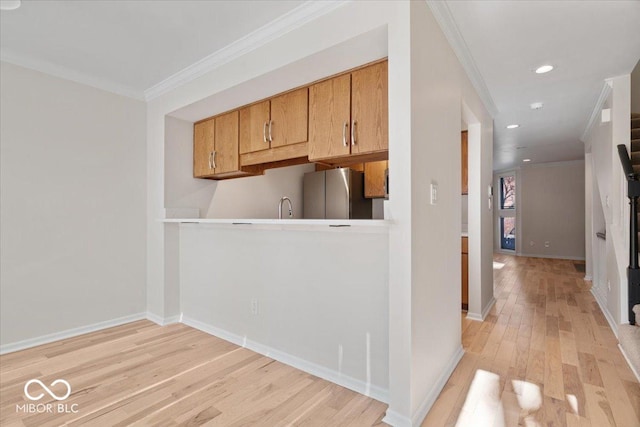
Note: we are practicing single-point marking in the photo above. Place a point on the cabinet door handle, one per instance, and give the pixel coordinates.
(264, 132)
(270, 125)
(353, 132)
(213, 158)
(344, 133)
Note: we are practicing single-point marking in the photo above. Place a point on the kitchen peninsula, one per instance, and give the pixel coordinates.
(312, 293)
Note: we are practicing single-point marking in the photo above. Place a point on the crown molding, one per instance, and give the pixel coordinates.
(604, 94)
(286, 23)
(445, 19)
(6, 55)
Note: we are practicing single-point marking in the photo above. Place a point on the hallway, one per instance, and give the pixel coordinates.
(545, 355)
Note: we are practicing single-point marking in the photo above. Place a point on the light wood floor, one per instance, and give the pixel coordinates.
(144, 374)
(545, 356)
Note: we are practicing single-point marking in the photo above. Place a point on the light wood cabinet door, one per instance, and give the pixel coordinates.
(374, 178)
(369, 113)
(254, 127)
(465, 162)
(203, 147)
(290, 118)
(329, 118)
(226, 158)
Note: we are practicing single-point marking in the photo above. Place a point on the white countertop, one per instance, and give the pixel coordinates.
(291, 224)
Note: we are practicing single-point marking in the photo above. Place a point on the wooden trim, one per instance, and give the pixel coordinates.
(285, 152)
(235, 174)
(352, 159)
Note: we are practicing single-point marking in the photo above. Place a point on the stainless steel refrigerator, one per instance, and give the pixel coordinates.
(335, 194)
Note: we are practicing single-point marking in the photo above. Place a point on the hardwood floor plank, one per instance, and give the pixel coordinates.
(144, 374)
(565, 368)
(589, 371)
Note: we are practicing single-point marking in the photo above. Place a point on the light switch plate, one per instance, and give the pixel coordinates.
(434, 193)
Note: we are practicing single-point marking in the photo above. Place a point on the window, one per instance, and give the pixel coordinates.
(508, 192)
(507, 212)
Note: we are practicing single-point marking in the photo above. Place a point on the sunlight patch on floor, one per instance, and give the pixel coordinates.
(485, 405)
(498, 265)
(573, 403)
(482, 405)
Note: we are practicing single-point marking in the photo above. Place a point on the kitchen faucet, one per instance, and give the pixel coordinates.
(282, 199)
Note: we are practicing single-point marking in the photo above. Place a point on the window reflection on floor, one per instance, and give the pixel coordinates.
(484, 406)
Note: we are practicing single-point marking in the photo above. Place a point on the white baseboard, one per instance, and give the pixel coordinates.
(474, 316)
(633, 369)
(572, 258)
(481, 316)
(163, 321)
(69, 333)
(375, 392)
(433, 394)
(394, 419)
(605, 311)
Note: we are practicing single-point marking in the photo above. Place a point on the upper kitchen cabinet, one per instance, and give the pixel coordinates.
(215, 148)
(203, 148)
(289, 118)
(329, 118)
(375, 177)
(348, 117)
(275, 132)
(254, 127)
(280, 121)
(369, 110)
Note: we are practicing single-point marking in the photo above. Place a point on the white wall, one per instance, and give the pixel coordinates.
(321, 295)
(439, 91)
(258, 196)
(181, 189)
(635, 89)
(551, 206)
(601, 140)
(588, 215)
(73, 190)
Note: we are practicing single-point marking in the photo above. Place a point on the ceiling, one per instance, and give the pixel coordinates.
(586, 41)
(127, 46)
(131, 46)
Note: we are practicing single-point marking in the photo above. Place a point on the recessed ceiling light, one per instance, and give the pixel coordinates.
(9, 4)
(513, 126)
(544, 69)
(536, 105)
(526, 160)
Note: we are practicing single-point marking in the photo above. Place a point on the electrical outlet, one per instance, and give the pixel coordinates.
(547, 244)
(254, 306)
